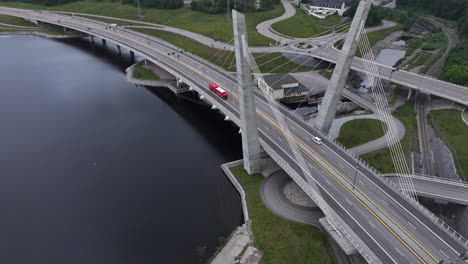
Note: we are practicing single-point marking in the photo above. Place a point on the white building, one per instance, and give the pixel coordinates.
(281, 86)
(324, 8)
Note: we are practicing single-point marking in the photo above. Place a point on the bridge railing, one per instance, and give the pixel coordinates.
(432, 178)
(463, 241)
(426, 212)
(336, 222)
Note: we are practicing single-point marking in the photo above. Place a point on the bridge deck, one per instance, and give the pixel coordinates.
(383, 223)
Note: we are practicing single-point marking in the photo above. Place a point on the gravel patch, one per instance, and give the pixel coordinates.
(296, 195)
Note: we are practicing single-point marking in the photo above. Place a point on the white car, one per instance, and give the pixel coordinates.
(317, 140)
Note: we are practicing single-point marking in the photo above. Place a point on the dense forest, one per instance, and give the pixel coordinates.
(219, 6)
(161, 4)
(456, 68)
(376, 14)
(456, 10)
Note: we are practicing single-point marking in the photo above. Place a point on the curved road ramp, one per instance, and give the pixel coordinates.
(384, 226)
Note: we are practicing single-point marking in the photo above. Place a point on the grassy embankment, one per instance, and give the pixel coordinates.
(190, 20)
(302, 25)
(432, 47)
(450, 127)
(376, 36)
(142, 73)
(381, 159)
(283, 242)
(211, 25)
(11, 20)
(326, 74)
(360, 131)
(226, 59)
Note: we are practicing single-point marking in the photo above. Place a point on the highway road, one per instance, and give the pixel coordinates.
(327, 52)
(388, 224)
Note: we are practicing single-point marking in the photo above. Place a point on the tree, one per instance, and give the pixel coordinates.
(376, 13)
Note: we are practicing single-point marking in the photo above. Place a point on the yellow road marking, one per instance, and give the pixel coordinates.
(307, 146)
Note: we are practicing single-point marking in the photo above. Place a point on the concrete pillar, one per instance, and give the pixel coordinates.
(132, 56)
(146, 62)
(410, 93)
(91, 39)
(103, 42)
(336, 85)
(118, 50)
(64, 29)
(248, 115)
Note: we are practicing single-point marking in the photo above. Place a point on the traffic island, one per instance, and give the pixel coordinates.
(148, 74)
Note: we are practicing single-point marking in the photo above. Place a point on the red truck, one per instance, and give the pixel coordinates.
(218, 90)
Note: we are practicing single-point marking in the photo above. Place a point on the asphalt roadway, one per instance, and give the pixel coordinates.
(390, 226)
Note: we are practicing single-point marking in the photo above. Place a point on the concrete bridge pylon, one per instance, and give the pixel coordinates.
(337, 82)
(248, 115)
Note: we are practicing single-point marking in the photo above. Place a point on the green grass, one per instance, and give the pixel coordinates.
(326, 74)
(432, 42)
(21, 22)
(282, 242)
(450, 127)
(143, 73)
(431, 61)
(8, 30)
(381, 159)
(359, 131)
(15, 21)
(418, 60)
(211, 25)
(376, 36)
(302, 25)
(435, 41)
(267, 63)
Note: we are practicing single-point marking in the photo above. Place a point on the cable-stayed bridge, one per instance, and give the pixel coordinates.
(381, 223)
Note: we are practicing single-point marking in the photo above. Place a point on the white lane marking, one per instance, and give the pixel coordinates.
(370, 223)
(348, 201)
(362, 182)
(339, 164)
(400, 205)
(328, 182)
(399, 252)
(444, 253)
(78, 23)
(412, 225)
(344, 209)
(279, 138)
(323, 151)
(383, 201)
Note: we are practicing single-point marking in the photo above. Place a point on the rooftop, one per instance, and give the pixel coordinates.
(338, 3)
(276, 81)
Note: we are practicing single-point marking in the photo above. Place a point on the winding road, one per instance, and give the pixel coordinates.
(265, 29)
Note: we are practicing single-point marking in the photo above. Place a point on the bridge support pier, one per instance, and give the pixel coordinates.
(248, 115)
(103, 42)
(336, 85)
(91, 39)
(65, 29)
(410, 93)
(132, 56)
(119, 51)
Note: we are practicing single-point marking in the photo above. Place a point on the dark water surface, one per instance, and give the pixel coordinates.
(96, 170)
